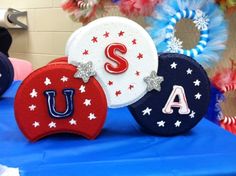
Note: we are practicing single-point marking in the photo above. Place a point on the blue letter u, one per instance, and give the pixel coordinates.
(69, 94)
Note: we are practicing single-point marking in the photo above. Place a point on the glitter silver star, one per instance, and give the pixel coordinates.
(153, 81)
(85, 71)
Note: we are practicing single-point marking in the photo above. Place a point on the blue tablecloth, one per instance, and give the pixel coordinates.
(121, 149)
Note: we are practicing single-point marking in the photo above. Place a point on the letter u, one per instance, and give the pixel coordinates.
(69, 95)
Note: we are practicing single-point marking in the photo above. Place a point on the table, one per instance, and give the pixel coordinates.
(121, 149)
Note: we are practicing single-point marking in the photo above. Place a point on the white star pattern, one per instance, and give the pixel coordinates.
(198, 96)
(192, 115)
(197, 83)
(64, 79)
(189, 71)
(73, 122)
(82, 89)
(92, 116)
(47, 81)
(36, 124)
(52, 125)
(87, 102)
(32, 107)
(173, 65)
(147, 111)
(161, 123)
(34, 93)
(177, 123)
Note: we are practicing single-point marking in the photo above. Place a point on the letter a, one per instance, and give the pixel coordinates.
(182, 104)
(69, 94)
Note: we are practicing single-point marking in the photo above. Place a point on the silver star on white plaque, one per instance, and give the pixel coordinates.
(85, 71)
(153, 81)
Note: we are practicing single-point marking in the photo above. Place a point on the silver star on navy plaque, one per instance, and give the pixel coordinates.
(153, 81)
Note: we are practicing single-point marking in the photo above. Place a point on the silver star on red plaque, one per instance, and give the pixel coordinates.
(85, 71)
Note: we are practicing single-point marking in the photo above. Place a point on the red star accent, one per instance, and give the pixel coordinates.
(106, 34)
(134, 42)
(140, 56)
(94, 40)
(131, 87)
(110, 83)
(137, 73)
(118, 93)
(86, 52)
(121, 33)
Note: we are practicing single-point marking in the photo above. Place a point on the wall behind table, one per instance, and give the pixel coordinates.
(49, 29)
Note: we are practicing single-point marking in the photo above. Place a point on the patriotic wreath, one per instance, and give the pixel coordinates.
(208, 19)
(224, 81)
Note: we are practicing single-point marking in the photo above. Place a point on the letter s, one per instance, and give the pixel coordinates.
(122, 63)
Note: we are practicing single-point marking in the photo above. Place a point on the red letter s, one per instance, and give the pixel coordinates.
(122, 64)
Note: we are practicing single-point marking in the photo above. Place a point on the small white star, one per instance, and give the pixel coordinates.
(192, 115)
(197, 83)
(147, 111)
(0, 75)
(173, 65)
(32, 107)
(82, 89)
(52, 125)
(36, 124)
(189, 71)
(64, 79)
(161, 123)
(47, 81)
(177, 123)
(92, 116)
(73, 122)
(33, 93)
(87, 102)
(198, 96)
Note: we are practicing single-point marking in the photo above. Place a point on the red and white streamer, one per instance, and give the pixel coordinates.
(86, 5)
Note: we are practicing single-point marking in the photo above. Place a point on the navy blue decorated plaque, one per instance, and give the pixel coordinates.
(6, 73)
(181, 100)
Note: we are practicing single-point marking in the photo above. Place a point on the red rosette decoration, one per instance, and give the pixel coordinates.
(229, 6)
(225, 81)
(138, 7)
(82, 11)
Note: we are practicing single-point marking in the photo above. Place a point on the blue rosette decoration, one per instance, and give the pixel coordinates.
(208, 19)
